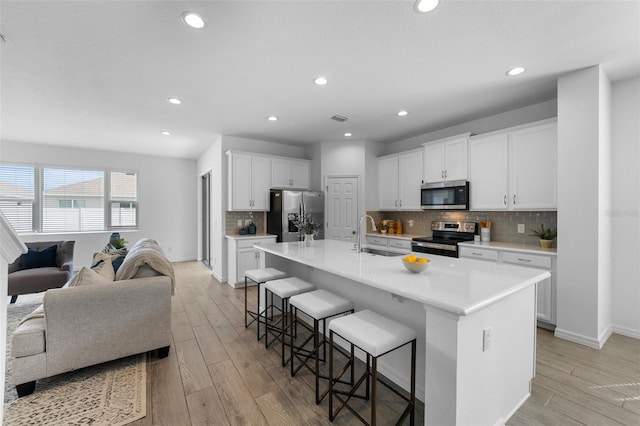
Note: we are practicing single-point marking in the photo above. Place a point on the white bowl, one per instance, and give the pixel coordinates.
(415, 267)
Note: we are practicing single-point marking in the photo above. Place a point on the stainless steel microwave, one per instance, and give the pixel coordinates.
(452, 195)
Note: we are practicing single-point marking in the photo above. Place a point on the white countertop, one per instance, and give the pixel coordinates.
(521, 248)
(461, 286)
(246, 236)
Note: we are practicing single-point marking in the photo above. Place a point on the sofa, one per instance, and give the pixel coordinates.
(26, 278)
(95, 319)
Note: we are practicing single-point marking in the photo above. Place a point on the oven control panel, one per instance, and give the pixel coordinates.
(469, 227)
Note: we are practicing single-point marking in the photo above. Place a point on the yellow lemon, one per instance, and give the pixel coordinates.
(422, 260)
(410, 258)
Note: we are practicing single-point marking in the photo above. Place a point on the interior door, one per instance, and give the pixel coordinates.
(206, 218)
(342, 208)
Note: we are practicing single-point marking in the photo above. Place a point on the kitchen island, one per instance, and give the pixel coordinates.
(475, 323)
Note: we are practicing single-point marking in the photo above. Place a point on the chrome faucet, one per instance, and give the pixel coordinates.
(358, 246)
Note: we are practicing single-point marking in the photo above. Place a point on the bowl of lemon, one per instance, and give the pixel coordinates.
(415, 264)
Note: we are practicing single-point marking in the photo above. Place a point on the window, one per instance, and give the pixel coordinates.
(68, 200)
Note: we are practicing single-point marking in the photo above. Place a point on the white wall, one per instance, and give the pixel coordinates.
(166, 190)
(625, 207)
(581, 264)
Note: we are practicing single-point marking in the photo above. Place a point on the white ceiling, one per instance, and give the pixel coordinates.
(97, 74)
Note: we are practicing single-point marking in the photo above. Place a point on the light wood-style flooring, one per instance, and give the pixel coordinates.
(217, 374)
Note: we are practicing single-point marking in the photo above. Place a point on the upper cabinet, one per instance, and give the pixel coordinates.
(399, 180)
(515, 169)
(446, 159)
(249, 181)
(290, 173)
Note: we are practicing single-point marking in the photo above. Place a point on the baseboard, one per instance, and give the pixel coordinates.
(584, 340)
(504, 420)
(626, 331)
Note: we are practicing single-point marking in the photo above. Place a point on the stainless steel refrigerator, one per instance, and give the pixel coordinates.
(287, 206)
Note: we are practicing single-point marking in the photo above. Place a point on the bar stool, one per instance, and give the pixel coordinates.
(376, 335)
(284, 288)
(258, 276)
(319, 305)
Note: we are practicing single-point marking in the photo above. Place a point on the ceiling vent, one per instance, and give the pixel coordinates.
(339, 118)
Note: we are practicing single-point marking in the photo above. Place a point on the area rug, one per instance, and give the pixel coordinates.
(113, 393)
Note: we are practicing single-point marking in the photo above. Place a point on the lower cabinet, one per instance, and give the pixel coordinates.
(398, 244)
(546, 290)
(242, 257)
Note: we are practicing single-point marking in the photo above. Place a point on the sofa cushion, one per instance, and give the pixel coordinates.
(145, 259)
(36, 280)
(29, 337)
(103, 265)
(44, 258)
(87, 276)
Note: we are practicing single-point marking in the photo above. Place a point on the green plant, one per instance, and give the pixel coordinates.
(544, 234)
(382, 227)
(119, 243)
(306, 225)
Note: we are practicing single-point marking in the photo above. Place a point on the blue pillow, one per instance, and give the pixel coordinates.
(40, 258)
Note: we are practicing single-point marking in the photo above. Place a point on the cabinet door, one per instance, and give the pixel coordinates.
(245, 259)
(434, 162)
(455, 154)
(388, 183)
(533, 168)
(240, 194)
(489, 172)
(280, 173)
(261, 170)
(300, 174)
(409, 181)
(544, 302)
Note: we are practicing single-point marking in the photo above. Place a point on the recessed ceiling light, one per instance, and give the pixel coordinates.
(402, 113)
(166, 133)
(174, 101)
(348, 134)
(193, 20)
(320, 81)
(515, 71)
(272, 118)
(424, 6)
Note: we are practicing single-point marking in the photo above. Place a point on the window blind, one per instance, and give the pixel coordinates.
(17, 196)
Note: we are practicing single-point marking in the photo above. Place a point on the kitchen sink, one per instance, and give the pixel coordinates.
(380, 252)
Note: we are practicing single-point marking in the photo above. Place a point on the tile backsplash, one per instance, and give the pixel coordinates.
(504, 225)
(232, 218)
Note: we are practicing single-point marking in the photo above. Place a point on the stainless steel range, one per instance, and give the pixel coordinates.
(445, 239)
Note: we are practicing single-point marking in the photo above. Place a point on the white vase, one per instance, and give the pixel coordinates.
(308, 240)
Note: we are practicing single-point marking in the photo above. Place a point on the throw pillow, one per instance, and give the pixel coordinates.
(44, 258)
(87, 276)
(103, 266)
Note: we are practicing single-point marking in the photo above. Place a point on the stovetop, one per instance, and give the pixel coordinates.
(450, 233)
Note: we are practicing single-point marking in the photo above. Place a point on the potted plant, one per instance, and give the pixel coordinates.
(383, 228)
(307, 227)
(546, 236)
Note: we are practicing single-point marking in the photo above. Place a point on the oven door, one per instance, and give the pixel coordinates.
(445, 196)
(434, 248)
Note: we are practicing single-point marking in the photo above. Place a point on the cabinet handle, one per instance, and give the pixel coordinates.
(477, 254)
(396, 203)
(505, 200)
(400, 203)
(442, 174)
(514, 198)
(524, 260)
(445, 173)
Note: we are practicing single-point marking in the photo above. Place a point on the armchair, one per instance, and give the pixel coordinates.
(34, 280)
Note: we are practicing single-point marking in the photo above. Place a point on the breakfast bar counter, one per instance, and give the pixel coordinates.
(475, 321)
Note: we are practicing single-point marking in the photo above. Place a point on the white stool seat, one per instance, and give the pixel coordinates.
(372, 332)
(284, 288)
(320, 304)
(263, 275)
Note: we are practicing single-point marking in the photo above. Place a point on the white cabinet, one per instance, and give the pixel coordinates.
(400, 245)
(515, 169)
(399, 180)
(290, 173)
(242, 256)
(446, 159)
(546, 290)
(249, 181)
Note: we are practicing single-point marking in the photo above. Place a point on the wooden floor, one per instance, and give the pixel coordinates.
(216, 373)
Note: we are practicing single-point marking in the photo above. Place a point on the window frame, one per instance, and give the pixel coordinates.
(38, 202)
